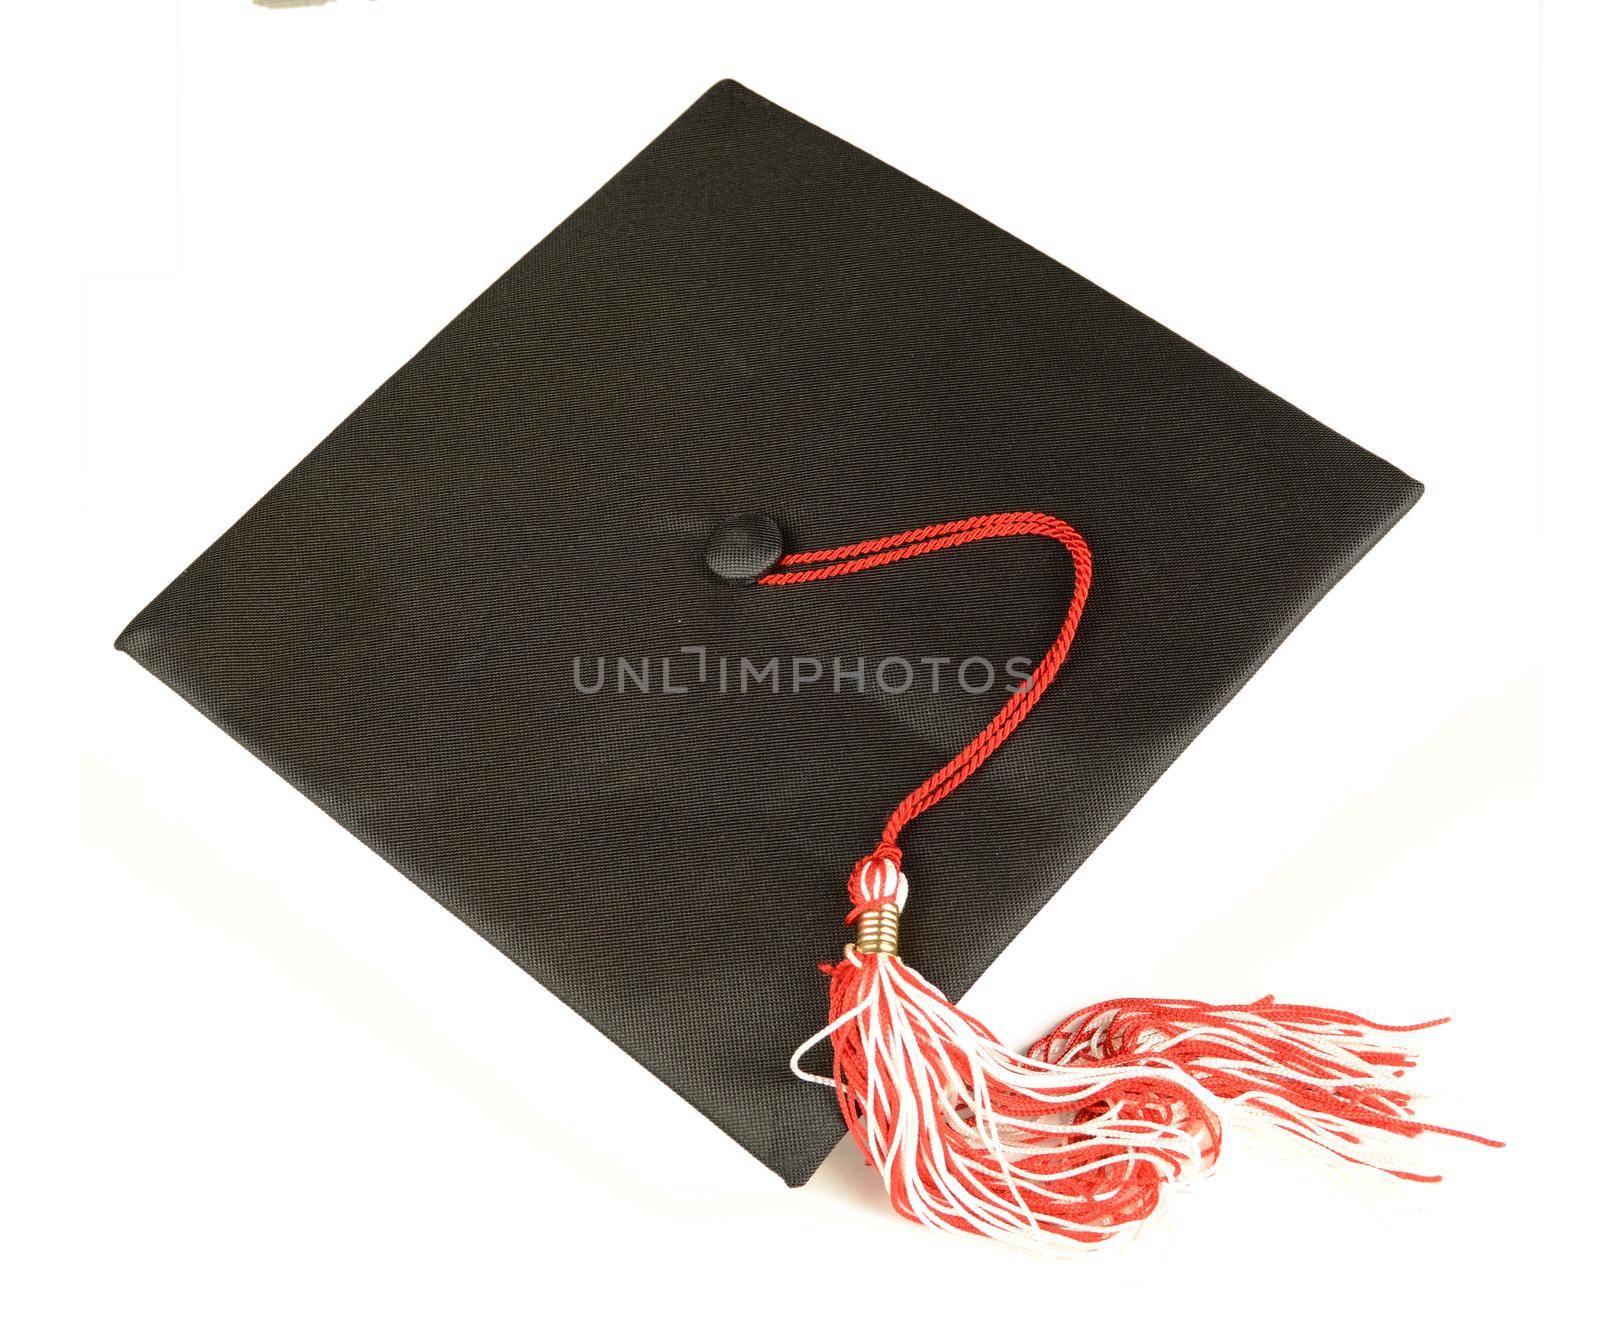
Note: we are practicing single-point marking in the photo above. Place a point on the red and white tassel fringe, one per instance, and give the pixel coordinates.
(1080, 1139)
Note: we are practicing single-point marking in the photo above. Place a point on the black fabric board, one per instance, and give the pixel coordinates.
(753, 316)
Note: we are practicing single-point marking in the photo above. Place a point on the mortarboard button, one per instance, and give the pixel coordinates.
(744, 549)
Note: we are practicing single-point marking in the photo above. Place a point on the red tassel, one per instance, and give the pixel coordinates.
(1080, 1139)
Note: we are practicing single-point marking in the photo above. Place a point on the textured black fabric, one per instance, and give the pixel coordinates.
(755, 317)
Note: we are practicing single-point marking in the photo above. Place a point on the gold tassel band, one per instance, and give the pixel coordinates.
(878, 930)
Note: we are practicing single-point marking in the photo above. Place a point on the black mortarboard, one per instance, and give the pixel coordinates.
(481, 625)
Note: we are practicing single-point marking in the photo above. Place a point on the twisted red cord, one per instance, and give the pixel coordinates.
(818, 564)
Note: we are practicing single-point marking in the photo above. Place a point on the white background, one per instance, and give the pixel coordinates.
(258, 1085)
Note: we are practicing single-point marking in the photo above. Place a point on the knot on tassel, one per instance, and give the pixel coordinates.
(875, 880)
(877, 893)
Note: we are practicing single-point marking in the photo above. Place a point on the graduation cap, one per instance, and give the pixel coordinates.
(555, 623)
